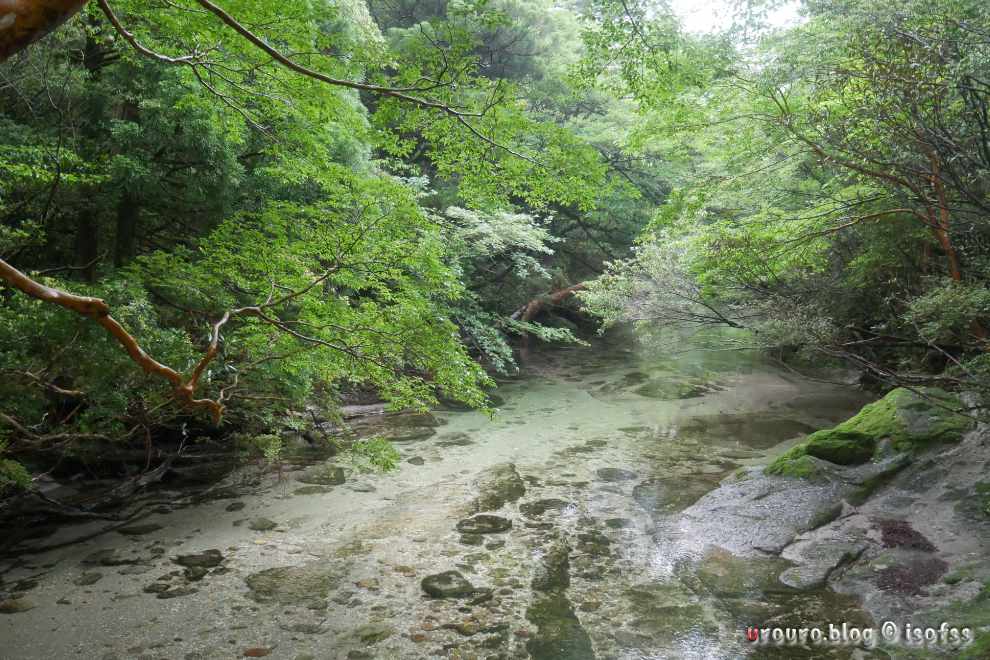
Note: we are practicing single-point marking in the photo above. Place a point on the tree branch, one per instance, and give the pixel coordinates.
(22, 22)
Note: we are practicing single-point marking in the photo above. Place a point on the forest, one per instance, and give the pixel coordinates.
(236, 226)
(266, 235)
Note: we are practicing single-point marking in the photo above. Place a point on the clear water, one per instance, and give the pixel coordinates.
(612, 443)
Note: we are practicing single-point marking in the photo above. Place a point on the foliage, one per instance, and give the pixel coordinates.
(830, 187)
(363, 197)
(374, 454)
(371, 225)
(269, 446)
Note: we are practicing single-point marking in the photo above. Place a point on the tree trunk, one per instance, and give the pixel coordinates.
(87, 245)
(940, 220)
(22, 22)
(128, 213)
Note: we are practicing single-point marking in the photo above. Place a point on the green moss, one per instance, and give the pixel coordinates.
(978, 650)
(795, 463)
(910, 421)
(841, 446)
(13, 476)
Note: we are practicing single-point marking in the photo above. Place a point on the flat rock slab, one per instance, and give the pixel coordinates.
(760, 514)
(817, 558)
(616, 474)
(205, 559)
(449, 584)
(484, 523)
(262, 525)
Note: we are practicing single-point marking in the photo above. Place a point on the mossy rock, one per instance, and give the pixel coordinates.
(909, 420)
(795, 463)
(840, 446)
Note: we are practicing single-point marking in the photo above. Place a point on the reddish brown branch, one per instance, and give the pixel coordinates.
(22, 22)
(99, 311)
(535, 307)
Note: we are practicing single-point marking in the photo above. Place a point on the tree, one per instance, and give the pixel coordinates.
(830, 190)
(228, 195)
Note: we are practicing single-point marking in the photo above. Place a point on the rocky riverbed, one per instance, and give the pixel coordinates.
(613, 508)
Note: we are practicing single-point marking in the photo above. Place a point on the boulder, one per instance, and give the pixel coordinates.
(205, 559)
(909, 420)
(323, 475)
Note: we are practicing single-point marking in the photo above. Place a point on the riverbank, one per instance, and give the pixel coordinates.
(904, 526)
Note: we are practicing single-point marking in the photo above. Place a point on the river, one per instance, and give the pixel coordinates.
(591, 458)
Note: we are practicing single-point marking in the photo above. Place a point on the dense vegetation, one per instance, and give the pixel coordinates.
(283, 203)
(830, 192)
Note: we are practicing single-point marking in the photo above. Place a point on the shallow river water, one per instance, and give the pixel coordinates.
(593, 455)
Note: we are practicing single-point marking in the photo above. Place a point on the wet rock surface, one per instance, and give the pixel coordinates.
(484, 523)
(449, 584)
(305, 586)
(497, 486)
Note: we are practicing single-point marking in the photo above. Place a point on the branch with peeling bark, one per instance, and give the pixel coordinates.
(183, 389)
